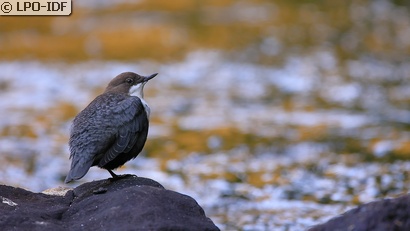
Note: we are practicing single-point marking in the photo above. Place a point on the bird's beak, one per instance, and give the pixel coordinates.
(150, 77)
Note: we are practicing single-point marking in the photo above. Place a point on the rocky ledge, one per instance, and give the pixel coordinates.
(382, 215)
(129, 203)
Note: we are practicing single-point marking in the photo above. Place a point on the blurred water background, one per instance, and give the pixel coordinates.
(273, 115)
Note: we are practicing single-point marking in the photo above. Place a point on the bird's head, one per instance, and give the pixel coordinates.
(129, 83)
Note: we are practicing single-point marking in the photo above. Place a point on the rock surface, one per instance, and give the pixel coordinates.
(129, 203)
(386, 214)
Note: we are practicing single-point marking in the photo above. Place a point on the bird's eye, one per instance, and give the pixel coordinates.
(129, 81)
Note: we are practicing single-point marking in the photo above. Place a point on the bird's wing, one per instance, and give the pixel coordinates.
(132, 124)
(106, 128)
(85, 133)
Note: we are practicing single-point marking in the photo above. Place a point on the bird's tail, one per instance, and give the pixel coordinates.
(78, 170)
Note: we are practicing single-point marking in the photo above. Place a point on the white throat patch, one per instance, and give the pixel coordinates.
(138, 90)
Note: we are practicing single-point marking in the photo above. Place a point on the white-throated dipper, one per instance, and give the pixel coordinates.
(112, 129)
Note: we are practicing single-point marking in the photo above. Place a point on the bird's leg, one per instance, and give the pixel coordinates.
(114, 176)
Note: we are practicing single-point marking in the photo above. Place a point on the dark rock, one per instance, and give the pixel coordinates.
(386, 214)
(24, 210)
(129, 203)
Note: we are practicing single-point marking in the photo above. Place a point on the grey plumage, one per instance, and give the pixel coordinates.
(112, 129)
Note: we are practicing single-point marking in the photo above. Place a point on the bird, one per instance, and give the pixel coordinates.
(112, 129)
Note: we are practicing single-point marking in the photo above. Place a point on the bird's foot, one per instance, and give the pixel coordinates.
(112, 174)
(117, 177)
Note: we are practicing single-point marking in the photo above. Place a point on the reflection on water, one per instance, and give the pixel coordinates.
(286, 113)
